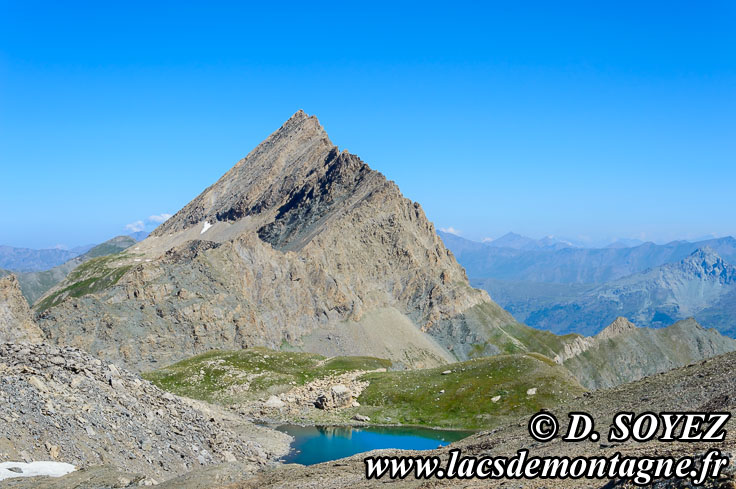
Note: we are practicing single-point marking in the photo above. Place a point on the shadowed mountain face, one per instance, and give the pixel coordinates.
(702, 285)
(300, 245)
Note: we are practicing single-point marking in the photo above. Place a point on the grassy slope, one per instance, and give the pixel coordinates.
(209, 376)
(35, 284)
(89, 277)
(511, 336)
(406, 397)
(415, 397)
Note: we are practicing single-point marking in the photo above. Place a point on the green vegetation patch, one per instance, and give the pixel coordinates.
(90, 277)
(229, 376)
(512, 337)
(480, 393)
(465, 397)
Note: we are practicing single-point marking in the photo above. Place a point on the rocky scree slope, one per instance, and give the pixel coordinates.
(300, 245)
(63, 404)
(16, 323)
(623, 352)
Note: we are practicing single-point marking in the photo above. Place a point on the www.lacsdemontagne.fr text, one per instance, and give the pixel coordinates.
(544, 426)
(641, 470)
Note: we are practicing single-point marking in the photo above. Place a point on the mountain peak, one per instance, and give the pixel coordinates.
(293, 154)
(704, 261)
(298, 118)
(619, 326)
(294, 241)
(299, 114)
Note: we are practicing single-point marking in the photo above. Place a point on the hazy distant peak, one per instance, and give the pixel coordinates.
(705, 262)
(689, 324)
(519, 242)
(619, 326)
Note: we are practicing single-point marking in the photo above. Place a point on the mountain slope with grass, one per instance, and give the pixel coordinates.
(285, 386)
(707, 386)
(35, 284)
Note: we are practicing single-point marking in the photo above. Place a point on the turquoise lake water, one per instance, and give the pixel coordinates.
(317, 444)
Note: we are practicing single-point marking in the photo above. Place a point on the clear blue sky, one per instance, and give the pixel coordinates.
(598, 119)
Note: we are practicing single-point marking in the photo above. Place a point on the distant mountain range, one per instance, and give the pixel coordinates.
(582, 290)
(28, 260)
(700, 285)
(519, 242)
(573, 265)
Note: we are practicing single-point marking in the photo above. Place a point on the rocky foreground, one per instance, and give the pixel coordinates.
(706, 386)
(61, 404)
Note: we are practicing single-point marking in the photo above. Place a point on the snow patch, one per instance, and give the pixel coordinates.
(206, 226)
(34, 469)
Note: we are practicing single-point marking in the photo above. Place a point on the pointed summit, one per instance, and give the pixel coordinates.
(263, 179)
(299, 243)
(619, 326)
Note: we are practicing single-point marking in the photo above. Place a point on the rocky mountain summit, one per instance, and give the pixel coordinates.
(299, 245)
(622, 352)
(16, 323)
(63, 404)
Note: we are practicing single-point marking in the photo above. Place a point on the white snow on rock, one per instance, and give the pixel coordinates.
(33, 469)
(206, 226)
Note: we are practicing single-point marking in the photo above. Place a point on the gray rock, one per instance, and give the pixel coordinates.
(112, 416)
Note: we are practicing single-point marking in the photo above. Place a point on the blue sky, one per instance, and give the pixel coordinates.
(577, 119)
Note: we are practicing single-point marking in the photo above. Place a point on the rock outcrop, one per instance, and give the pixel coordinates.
(63, 404)
(622, 352)
(16, 323)
(299, 244)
